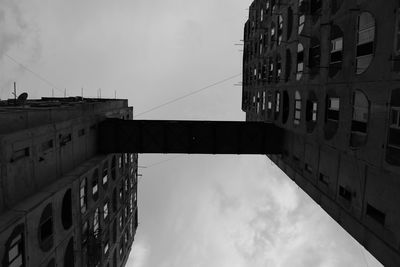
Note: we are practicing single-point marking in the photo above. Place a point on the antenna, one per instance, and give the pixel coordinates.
(82, 92)
(115, 94)
(15, 93)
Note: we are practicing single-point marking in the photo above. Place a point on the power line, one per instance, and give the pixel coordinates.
(187, 95)
(40, 77)
(162, 161)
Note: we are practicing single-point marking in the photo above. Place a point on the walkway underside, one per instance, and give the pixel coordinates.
(189, 137)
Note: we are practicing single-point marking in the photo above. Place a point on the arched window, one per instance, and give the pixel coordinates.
(113, 169)
(277, 104)
(105, 174)
(332, 112)
(289, 23)
(297, 108)
(288, 65)
(66, 210)
(336, 56)
(311, 112)
(69, 258)
(393, 143)
(359, 123)
(300, 61)
(45, 229)
(270, 70)
(280, 29)
(95, 185)
(273, 35)
(285, 107)
(278, 68)
(301, 16)
(314, 57)
(96, 222)
(365, 41)
(83, 195)
(14, 253)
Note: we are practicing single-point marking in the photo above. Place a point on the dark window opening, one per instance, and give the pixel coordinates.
(273, 35)
(85, 233)
(393, 143)
(359, 123)
(289, 23)
(376, 214)
(288, 65)
(332, 110)
(113, 169)
(315, 9)
(46, 146)
(270, 70)
(324, 179)
(81, 132)
(285, 107)
(46, 228)
(278, 68)
(20, 154)
(280, 29)
(336, 53)
(105, 174)
(345, 193)
(65, 139)
(314, 57)
(69, 258)
(66, 210)
(335, 6)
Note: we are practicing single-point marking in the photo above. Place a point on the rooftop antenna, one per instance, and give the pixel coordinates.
(100, 92)
(82, 92)
(115, 94)
(15, 93)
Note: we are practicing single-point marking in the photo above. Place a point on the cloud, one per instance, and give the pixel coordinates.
(139, 255)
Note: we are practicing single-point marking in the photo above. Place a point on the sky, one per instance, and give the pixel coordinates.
(220, 211)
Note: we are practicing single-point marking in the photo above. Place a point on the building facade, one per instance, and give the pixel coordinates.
(327, 71)
(61, 202)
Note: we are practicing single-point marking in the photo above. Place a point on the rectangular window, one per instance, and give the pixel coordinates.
(65, 139)
(324, 179)
(376, 214)
(263, 102)
(277, 101)
(395, 118)
(262, 15)
(333, 107)
(20, 154)
(105, 211)
(106, 247)
(95, 189)
(314, 111)
(344, 193)
(46, 146)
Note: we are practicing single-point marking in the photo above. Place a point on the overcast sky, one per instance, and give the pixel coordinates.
(222, 211)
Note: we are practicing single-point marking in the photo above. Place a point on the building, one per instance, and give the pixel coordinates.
(61, 202)
(327, 72)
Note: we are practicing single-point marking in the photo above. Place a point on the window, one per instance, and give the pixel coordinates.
(376, 214)
(333, 106)
(105, 174)
(261, 44)
(345, 193)
(285, 107)
(289, 23)
(335, 6)
(258, 111)
(336, 54)
(121, 221)
(66, 210)
(20, 154)
(277, 104)
(315, 9)
(119, 162)
(324, 179)
(65, 139)
(302, 20)
(69, 258)
(263, 101)
(15, 249)
(365, 41)
(96, 222)
(273, 34)
(311, 112)
(267, 6)
(81, 132)
(45, 230)
(297, 108)
(288, 65)
(105, 211)
(83, 195)
(359, 123)
(95, 187)
(85, 232)
(393, 145)
(280, 29)
(48, 145)
(113, 170)
(314, 57)
(269, 105)
(278, 68)
(270, 70)
(300, 61)
(262, 14)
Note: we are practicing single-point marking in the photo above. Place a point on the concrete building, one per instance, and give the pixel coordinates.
(327, 72)
(61, 202)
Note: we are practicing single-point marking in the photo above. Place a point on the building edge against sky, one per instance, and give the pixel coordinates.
(327, 72)
(62, 203)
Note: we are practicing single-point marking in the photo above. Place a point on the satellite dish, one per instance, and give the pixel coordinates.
(22, 98)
